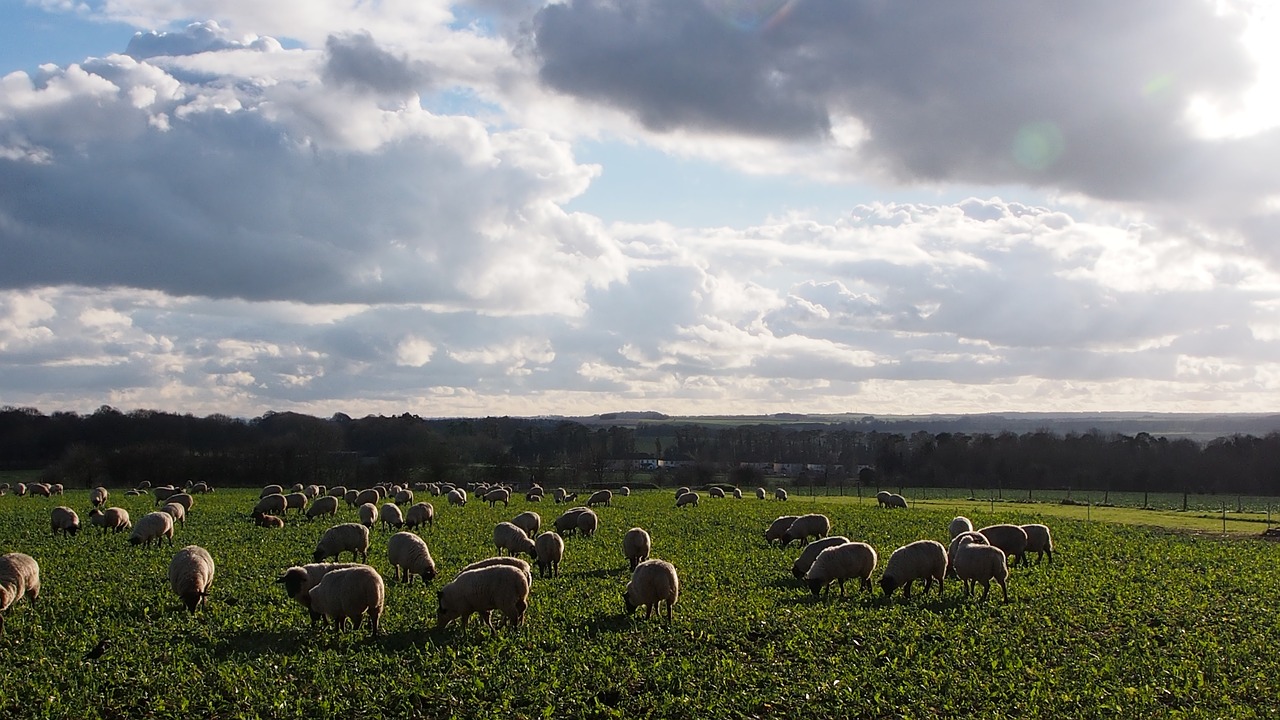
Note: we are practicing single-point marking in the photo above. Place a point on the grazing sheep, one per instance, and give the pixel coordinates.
(299, 579)
(20, 489)
(458, 497)
(273, 504)
(420, 513)
(271, 490)
(368, 514)
(40, 489)
(974, 562)
(811, 551)
(680, 491)
(559, 494)
(624, 491)
(163, 493)
(341, 538)
(408, 553)
(813, 524)
(976, 537)
(737, 494)
(178, 512)
(600, 497)
(511, 538)
(56, 489)
(372, 495)
(689, 498)
(778, 529)
(843, 562)
(508, 560)
(326, 505)
(482, 590)
(960, 524)
(528, 521)
(153, 527)
(588, 522)
(715, 492)
(295, 501)
(63, 519)
(391, 517)
(533, 496)
(1012, 539)
(19, 578)
(921, 560)
(352, 592)
(895, 501)
(498, 495)
(571, 497)
(761, 493)
(550, 548)
(113, 518)
(882, 498)
(652, 582)
(268, 521)
(404, 497)
(349, 497)
(1039, 541)
(183, 499)
(780, 494)
(338, 491)
(98, 496)
(190, 575)
(636, 545)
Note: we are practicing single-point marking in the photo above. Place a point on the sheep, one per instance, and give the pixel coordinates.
(761, 493)
(882, 498)
(600, 497)
(341, 538)
(268, 521)
(98, 496)
(550, 550)
(404, 497)
(780, 494)
(737, 493)
(497, 587)
(922, 559)
(508, 560)
(190, 575)
(976, 537)
(960, 524)
(200, 488)
(271, 490)
(19, 578)
(408, 553)
(588, 522)
(498, 495)
(368, 514)
(533, 496)
(813, 524)
(63, 519)
(652, 582)
(624, 491)
(153, 527)
(974, 562)
(689, 498)
(636, 545)
(778, 529)
(349, 497)
(1012, 539)
(458, 497)
(299, 579)
(178, 512)
(295, 501)
(183, 499)
(274, 504)
(56, 489)
(420, 513)
(715, 492)
(1038, 541)
(842, 562)
(20, 489)
(567, 523)
(528, 521)
(570, 497)
(681, 490)
(352, 592)
(511, 538)
(162, 493)
(40, 489)
(114, 519)
(559, 494)
(373, 496)
(338, 491)
(810, 553)
(390, 516)
(322, 506)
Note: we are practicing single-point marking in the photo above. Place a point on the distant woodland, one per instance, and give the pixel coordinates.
(125, 448)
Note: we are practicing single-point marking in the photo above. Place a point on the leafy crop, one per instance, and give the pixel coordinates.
(1126, 621)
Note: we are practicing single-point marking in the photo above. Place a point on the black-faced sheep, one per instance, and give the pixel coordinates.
(353, 593)
(652, 582)
(810, 553)
(408, 554)
(848, 561)
(63, 519)
(921, 560)
(153, 527)
(345, 537)
(190, 575)
(482, 590)
(550, 547)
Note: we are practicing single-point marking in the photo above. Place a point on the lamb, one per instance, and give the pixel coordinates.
(689, 498)
(341, 538)
(178, 512)
(778, 528)
(299, 579)
(588, 522)
(268, 521)
(498, 495)
(458, 497)
(322, 506)
(63, 519)
(528, 521)
(567, 523)
(1012, 539)
(715, 492)
(600, 497)
(882, 498)
(974, 562)
(813, 524)
(652, 582)
(780, 494)
(98, 496)
(421, 513)
(921, 560)
(190, 575)
(511, 538)
(811, 551)
(349, 593)
(153, 527)
(271, 490)
(368, 514)
(497, 587)
(761, 494)
(636, 546)
(274, 504)
(960, 524)
(391, 517)
(408, 553)
(19, 578)
(1039, 541)
(114, 519)
(550, 551)
(842, 562)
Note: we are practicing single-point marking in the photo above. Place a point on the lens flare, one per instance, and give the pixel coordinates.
(751, 15)
(1038, 145)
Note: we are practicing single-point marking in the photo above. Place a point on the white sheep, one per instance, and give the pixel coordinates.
(972, 536)
(636, 546)
(779, 494)
(508, 560)
(689, 498)
(895, 501)
(162, 493)
(567, 523)
(190, 575)
(114, 519)
(41, 489)
(354, 593)
(295, 501)
(299, 579)
(420, 513)
(271, 490)
(812, 525)
(404, 497)
(482, 590)
(847, 561)
(550, 549)
(391, 517)
(974, 562)
(19, 578)
(326, 505)
(177, 512)
(273, 504)
(153, 527)
(98, 496)
(882, 498)
(458, 497)
(186, 500)
(371, 495)
(761, 493)
(511, 538)
(498, 495)
(810, 553)
(528, 521)
(408, 553)
(338, 539)
(778, 528)
(600, 497)
(921, 560)
(652, 582)
(1012, 539)
(960, 524)
(368, 514)
(1039, 541)
(63, 519)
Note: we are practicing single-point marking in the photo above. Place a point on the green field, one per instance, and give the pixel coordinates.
(1128, 621)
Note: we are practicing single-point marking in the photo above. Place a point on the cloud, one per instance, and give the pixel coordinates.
(354, 60)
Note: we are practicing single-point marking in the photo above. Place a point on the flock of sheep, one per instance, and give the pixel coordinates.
(335, 591)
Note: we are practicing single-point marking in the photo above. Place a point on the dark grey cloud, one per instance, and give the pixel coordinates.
(354, 60)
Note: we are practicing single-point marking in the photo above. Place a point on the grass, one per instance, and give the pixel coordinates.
(1128, 620)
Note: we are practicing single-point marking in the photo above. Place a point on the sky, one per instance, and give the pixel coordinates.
(733, 207)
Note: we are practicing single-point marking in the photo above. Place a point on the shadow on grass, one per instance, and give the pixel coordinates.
(256, 641)
(600, 573)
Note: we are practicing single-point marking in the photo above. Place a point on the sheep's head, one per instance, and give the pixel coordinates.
(888, 584)
(815, 585)
(626, 598)
(293, 579)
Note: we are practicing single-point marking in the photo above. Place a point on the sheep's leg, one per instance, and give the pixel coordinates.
(906, 589)
(986, 589)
